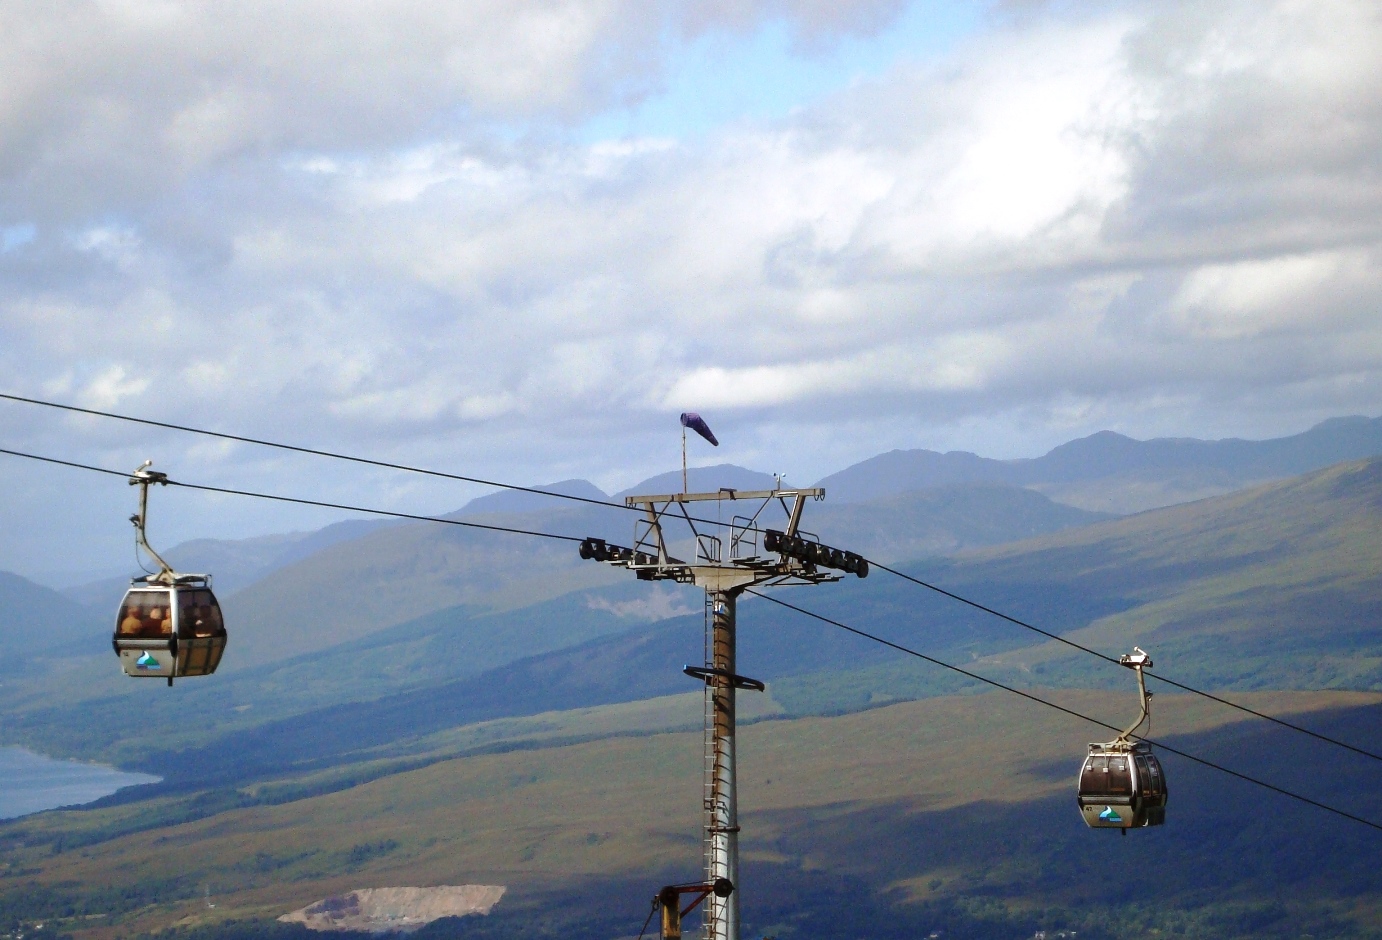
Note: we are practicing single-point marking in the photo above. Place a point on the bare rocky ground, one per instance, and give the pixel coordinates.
(388, 910)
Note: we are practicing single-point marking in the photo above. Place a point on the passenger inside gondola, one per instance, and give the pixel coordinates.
(130, 622)
(198, 615)
(145, 616)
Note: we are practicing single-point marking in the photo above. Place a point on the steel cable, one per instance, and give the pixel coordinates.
(304, 502)
(188, 429)
(800, 610)
(1061, 708)
(1085, 649)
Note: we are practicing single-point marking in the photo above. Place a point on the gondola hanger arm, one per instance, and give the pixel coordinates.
(1137, 661)
(142, 478)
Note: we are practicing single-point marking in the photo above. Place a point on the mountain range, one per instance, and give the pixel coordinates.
(378, 658)
(1112, 473)
(308, 594)
(1104, 473)
(1272, 586)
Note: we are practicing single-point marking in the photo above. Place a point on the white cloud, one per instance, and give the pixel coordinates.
(110, 387)
(105, 105)
(378, 234)
(1299, 293)
(954, 364)
(119, 245)
(1023, 149)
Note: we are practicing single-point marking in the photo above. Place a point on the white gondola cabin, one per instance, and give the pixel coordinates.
(170, 630)
(1121, 783)
(169, 624)
(1122, 786)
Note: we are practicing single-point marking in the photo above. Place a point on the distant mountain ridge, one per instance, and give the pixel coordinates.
(234, 563)
(506, 501)
(1105, 472)
(391, 576)
(1269, 588)
(702, 480)
(1272, 587)
(313, 590)
(39, 620)
(698, 479)
(1200, 467)
(1136, 475)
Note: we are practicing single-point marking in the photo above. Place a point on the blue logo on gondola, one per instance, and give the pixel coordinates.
(1108, 815)
(147, 661)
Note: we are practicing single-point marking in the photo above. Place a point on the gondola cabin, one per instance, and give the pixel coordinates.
(1121, 783)
(1122, 786)
(168, 630)
(169, 624)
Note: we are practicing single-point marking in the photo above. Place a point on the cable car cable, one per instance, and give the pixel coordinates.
(334, 455)
(1061, 708)
(305, 502)
(598, 502)
(1085, 649)
(801, 610)
(279, 445)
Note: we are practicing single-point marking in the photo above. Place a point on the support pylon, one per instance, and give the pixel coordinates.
(786, 556)
(721, 921)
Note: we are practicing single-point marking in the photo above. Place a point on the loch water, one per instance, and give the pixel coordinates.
(30, 782)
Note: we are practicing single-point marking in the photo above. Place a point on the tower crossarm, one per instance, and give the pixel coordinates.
(781, 556)
(725, 493)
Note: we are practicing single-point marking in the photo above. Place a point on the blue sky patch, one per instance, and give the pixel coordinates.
(721, 78)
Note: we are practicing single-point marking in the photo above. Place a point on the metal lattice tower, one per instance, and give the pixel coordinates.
(788, 556)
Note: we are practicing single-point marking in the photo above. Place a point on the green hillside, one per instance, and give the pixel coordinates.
(1277, 586)
(1239, 621)
(953, 810)
(37, 622)
(942, 520)
(1271, 588)
(553, 747)
(132, 723)
(397, 574)
(392, 576)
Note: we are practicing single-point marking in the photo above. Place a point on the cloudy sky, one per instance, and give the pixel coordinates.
(515, 238)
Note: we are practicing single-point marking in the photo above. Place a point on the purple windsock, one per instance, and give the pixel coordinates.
(696, 423)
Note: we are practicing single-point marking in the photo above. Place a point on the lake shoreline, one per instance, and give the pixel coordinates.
(31, 782)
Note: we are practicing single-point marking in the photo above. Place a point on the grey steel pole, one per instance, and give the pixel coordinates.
(722, 794)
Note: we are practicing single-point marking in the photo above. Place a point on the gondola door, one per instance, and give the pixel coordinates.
(201, 634)
(1151, 790)
(144, 637)
(1106, 794)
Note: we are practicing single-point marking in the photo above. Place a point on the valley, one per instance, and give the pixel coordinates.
(955, 790)
(404, 708)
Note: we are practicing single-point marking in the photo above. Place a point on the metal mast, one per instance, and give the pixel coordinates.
(724, 572)
(721, 800)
